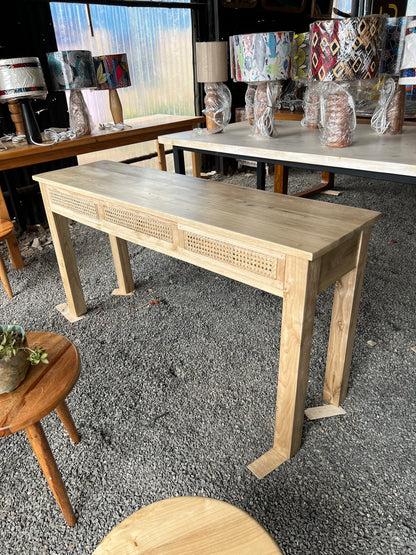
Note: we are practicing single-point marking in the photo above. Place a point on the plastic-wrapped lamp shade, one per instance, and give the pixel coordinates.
(21, 78)
(211, 62)
(261, 57)
(72, 70)
(112, 71)
(392, 46)
(408, 66)
(345, 49)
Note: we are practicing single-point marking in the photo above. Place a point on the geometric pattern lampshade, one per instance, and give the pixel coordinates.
(347, 49)
(343, 50)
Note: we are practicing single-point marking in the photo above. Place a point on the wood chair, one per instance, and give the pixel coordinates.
(43, 390)
(7, 235)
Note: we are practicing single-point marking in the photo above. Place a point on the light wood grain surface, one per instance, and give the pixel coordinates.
(302, 227)
(188, 526)
(369, 152)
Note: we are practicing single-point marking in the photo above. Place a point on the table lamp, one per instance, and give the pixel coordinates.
(388, 116)
(21, 80)
(342, 50)
(212, 70)
(263, 59)
(73, 70)
(112, 72)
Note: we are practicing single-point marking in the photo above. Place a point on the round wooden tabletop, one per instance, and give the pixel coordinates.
(189, 526)
(44, 386)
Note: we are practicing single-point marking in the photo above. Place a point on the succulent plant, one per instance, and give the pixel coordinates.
(12, 340)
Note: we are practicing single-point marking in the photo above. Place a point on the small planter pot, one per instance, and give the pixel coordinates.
(13, 369)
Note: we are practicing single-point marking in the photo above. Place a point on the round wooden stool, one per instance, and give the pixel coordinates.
(189, 526)
(43, 390)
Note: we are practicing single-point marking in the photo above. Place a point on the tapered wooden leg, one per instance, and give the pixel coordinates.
(44, 455)
(299, 301)
(66, 419)
(67, 262)
(122, 265)
(4, 278)
(343, 324)
(160, 148)
(281, 178)
(14, 252)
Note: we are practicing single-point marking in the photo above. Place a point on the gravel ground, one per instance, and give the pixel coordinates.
(176, 398)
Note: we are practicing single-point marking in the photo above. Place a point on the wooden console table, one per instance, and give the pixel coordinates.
(290, 247)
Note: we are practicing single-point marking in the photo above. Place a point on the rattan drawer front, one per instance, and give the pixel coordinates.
(76, 205)
(139, 223)
(234, 255)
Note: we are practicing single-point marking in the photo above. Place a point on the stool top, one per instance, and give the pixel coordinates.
(189, 526)
(44, 386)
(6, 228)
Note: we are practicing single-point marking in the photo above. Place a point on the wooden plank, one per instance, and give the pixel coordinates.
(323, 411)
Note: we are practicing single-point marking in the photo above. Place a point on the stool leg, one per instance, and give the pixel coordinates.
(62, 411)
(47, 463)
(14, 252)
(4, 278)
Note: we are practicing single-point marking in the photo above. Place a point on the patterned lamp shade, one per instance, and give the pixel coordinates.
(300, 60)
(261, 57)
(408, 66)
(21, 78)
(392, 45)
(72, 70)
(345, 49)
(112, 71)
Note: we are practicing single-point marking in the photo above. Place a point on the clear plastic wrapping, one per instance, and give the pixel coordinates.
(312, 106)
(265, 101)
(388, 116)
(79, 116)
(249, 99)
(217, 106)
(338, 119)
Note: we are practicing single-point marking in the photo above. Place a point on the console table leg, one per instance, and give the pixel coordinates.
(343, 324)
(122, 265)
(67, 262)
(299, 301)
